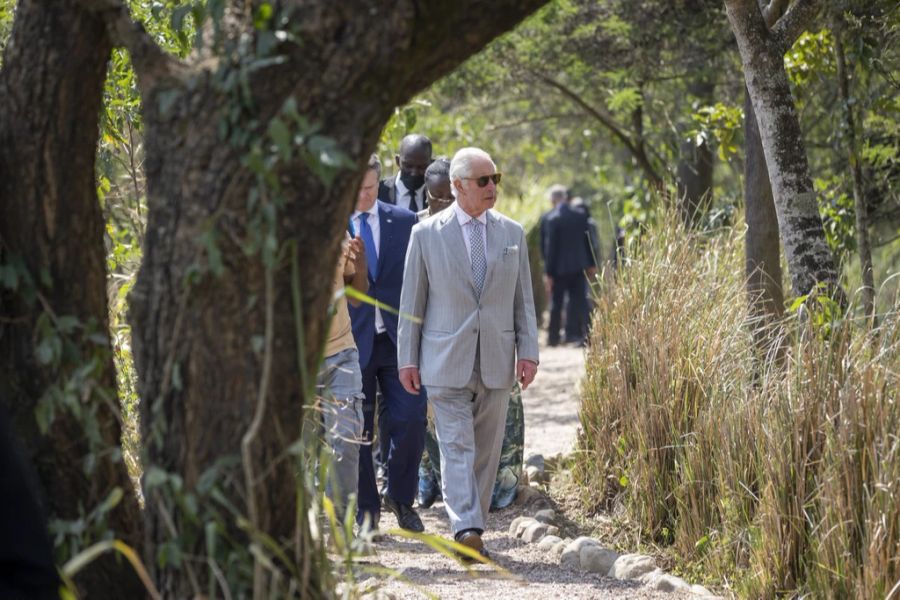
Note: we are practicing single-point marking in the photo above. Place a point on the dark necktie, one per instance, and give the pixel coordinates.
(479, 263)
(365, 232)
(412, 201)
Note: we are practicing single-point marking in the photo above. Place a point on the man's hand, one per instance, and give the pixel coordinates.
(591, 273)
(548, 284)
(409, 379)
(525, 372)
(356, 253)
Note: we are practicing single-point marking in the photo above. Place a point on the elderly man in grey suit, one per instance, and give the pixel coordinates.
(468, 286)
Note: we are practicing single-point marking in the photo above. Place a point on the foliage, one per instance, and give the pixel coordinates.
(781, 482)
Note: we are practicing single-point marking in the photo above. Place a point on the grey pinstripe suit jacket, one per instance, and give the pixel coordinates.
(439, 289)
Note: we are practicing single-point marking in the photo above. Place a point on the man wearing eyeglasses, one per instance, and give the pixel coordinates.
(407, 188)
(467, 279)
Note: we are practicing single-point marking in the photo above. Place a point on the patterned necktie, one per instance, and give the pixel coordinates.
(479, 262)
(365, 232)
(413, 206)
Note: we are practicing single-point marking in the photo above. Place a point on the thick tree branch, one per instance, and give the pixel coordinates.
(151, 63)
(773, 10)
(795, 21)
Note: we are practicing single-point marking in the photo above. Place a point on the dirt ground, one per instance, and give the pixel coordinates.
(419, 571)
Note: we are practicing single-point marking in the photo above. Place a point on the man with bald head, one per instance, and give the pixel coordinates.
(407, 188)
(469, 331)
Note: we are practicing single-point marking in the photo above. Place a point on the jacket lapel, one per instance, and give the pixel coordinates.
(385, 223)
(494, 245)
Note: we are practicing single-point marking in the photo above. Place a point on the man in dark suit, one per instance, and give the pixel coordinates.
(385, 231)
(568, 257)
(407, 188)
(556, 194)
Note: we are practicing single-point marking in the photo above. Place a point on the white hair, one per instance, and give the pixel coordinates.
(557, 189)
(461, 165)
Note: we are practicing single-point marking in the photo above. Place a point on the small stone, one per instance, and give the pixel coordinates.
(570, 557)
(547, 515)
(595, 559)
(663, 582)
(534, 474)
(548, 542)
(523, 525)
(534, 532)
(515, 524)
(525, 494)
(632, 566)
(535, 460)
(552, 530)
(558, 547)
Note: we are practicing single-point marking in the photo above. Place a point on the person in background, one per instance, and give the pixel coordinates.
(472, 333)
(407, 188)
(385, 230)
(569, 257)
(556, 194)
(339, 381)
(509, 472)
(437, 188)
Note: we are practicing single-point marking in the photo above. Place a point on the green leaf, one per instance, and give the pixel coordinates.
(280, 136)
(623, 481)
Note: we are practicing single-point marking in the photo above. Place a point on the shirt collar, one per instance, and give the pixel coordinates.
(463, 217)
(372, 211)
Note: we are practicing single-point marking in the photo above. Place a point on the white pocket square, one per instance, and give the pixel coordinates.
(510, 250)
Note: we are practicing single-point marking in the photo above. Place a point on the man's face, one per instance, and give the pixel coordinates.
(439, 196)
(557, 197)
(472, 198)
(368, 191)
(412, 162)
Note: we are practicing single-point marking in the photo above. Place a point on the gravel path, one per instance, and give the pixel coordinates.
(551, 422)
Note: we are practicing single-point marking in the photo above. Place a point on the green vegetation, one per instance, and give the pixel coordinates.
(779, 475)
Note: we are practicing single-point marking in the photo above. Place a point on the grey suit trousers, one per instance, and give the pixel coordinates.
(470, 423)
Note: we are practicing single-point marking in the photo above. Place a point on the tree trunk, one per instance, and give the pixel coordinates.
(810, 260)
(762, 246)
(56, 372)
(863, 243)
(695, 167)
(228, 307)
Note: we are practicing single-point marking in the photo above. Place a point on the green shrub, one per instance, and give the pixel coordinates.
(780, 477)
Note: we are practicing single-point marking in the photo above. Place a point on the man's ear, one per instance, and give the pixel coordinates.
(397, 161)
(458, 185)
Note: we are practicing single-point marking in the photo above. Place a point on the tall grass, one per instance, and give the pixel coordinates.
(782, 477)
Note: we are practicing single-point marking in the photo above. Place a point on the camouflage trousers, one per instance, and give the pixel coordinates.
(509, 472)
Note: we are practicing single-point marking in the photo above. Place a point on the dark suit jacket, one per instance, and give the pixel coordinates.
(395, 225)
(387, 191)
(568, 242)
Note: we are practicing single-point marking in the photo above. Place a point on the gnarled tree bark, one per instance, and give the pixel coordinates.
(51, 89)
(810, 260)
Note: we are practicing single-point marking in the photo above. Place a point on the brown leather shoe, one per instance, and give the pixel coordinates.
(471, 539)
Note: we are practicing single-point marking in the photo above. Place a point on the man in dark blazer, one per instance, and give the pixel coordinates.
(569, 257)
(407, 188)
(385, 230)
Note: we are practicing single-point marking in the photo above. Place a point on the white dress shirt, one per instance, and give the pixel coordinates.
(402, 195)
(466, 223)
(375, 226)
